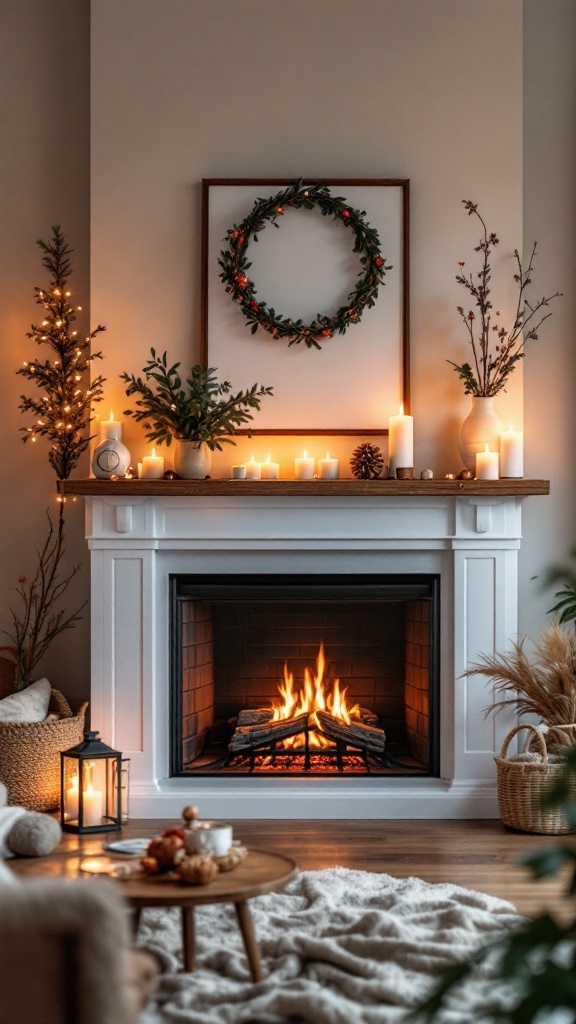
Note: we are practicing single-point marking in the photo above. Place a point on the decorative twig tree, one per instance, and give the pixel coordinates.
(62, 414)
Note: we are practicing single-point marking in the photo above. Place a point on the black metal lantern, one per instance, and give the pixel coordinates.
(91, 787)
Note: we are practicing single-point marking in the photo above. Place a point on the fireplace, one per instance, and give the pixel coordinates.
(464, 536)
(305, 674)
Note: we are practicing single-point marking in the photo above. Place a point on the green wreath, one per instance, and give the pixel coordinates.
(234, 265)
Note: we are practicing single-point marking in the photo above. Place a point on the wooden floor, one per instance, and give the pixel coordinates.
(476, 854)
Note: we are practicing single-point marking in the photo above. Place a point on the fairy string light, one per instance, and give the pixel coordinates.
(62, 414)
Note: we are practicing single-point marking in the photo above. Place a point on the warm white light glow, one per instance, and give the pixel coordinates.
(401, 409)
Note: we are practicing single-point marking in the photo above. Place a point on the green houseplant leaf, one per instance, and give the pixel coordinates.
(197, 408)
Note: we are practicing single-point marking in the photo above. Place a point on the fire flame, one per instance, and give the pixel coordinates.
(316, 695)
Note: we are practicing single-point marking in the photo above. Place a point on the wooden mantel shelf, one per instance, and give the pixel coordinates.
(304, 488)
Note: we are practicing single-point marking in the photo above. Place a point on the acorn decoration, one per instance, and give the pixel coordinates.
(367, 462)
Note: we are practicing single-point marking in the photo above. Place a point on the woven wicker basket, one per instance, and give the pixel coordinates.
(522, 784)
(30, 755)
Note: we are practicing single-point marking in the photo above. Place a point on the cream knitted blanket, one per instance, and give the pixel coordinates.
(338, 947)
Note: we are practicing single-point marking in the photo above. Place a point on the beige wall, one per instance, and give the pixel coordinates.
(550, 369)
(432, 90)
(44, 180)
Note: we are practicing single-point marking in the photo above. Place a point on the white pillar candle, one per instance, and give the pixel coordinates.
(111, 430)
(152, 466)
(71, 798)
(400, 442)
(486, 465)
(304, 468)
(270, 470)
(139, 470)
(239, 472)
(92, 802)
(328, 468)
(511, 453)
(253, 470)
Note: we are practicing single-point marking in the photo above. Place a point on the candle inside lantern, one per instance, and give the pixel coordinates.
(111, 430)
(253, 469)
(328, 468)
(400, 441)
(152, 466)
(92, 801)
(487, 465)
(71, 799)
(270, 470)
(304, 468)
(512, 453)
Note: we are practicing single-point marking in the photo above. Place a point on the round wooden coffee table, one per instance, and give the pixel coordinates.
(260, 873)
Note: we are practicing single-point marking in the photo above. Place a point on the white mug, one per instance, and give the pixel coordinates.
(210, 838)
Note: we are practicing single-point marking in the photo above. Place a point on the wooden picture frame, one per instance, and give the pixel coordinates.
(358, 379)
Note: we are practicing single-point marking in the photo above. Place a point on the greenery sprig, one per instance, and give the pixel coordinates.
(63, 413)
(491, 370)
(189, 409)
(234, 265)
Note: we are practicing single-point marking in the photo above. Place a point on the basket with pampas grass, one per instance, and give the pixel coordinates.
(543, 685)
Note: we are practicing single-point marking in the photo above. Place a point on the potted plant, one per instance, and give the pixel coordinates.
(542, 685)
(192, 411)
(488, 372)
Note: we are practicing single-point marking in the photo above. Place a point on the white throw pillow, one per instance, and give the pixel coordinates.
(29, 705)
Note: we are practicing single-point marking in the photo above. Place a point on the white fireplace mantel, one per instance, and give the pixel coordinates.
(137, 540)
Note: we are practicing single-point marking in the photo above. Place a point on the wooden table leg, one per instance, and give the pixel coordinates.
(188, 941)
(250, 941)
(136, 915)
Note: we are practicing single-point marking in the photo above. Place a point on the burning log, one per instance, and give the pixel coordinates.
(357, 734)
(367, 717)
(254, 716)
(246, 737)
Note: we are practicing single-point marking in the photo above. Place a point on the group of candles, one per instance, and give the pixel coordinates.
(490, 465)
(304, 469)
(509, 463)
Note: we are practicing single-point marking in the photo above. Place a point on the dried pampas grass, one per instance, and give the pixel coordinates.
(543, 684)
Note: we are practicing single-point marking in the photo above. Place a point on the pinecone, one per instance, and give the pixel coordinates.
(367, 461)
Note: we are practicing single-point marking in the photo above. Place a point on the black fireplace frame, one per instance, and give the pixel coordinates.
(399, 587)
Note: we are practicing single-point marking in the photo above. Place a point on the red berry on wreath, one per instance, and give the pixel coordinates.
(326, 332)
(240, 239)
(379, 261)
(234, 234)
(345, 214)
(280, 209)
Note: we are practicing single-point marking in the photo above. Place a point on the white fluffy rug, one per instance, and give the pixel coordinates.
(338, 947)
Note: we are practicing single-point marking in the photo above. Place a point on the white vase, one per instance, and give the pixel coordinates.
(193, 460)
(482, 427)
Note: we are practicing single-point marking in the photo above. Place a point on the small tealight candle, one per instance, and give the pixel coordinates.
(487, 465)
(111, 430)
(152, 466)
(270, 470)
(304, 468)
(239, 472)
(328, 468)
(512, 453)
(253, 470)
